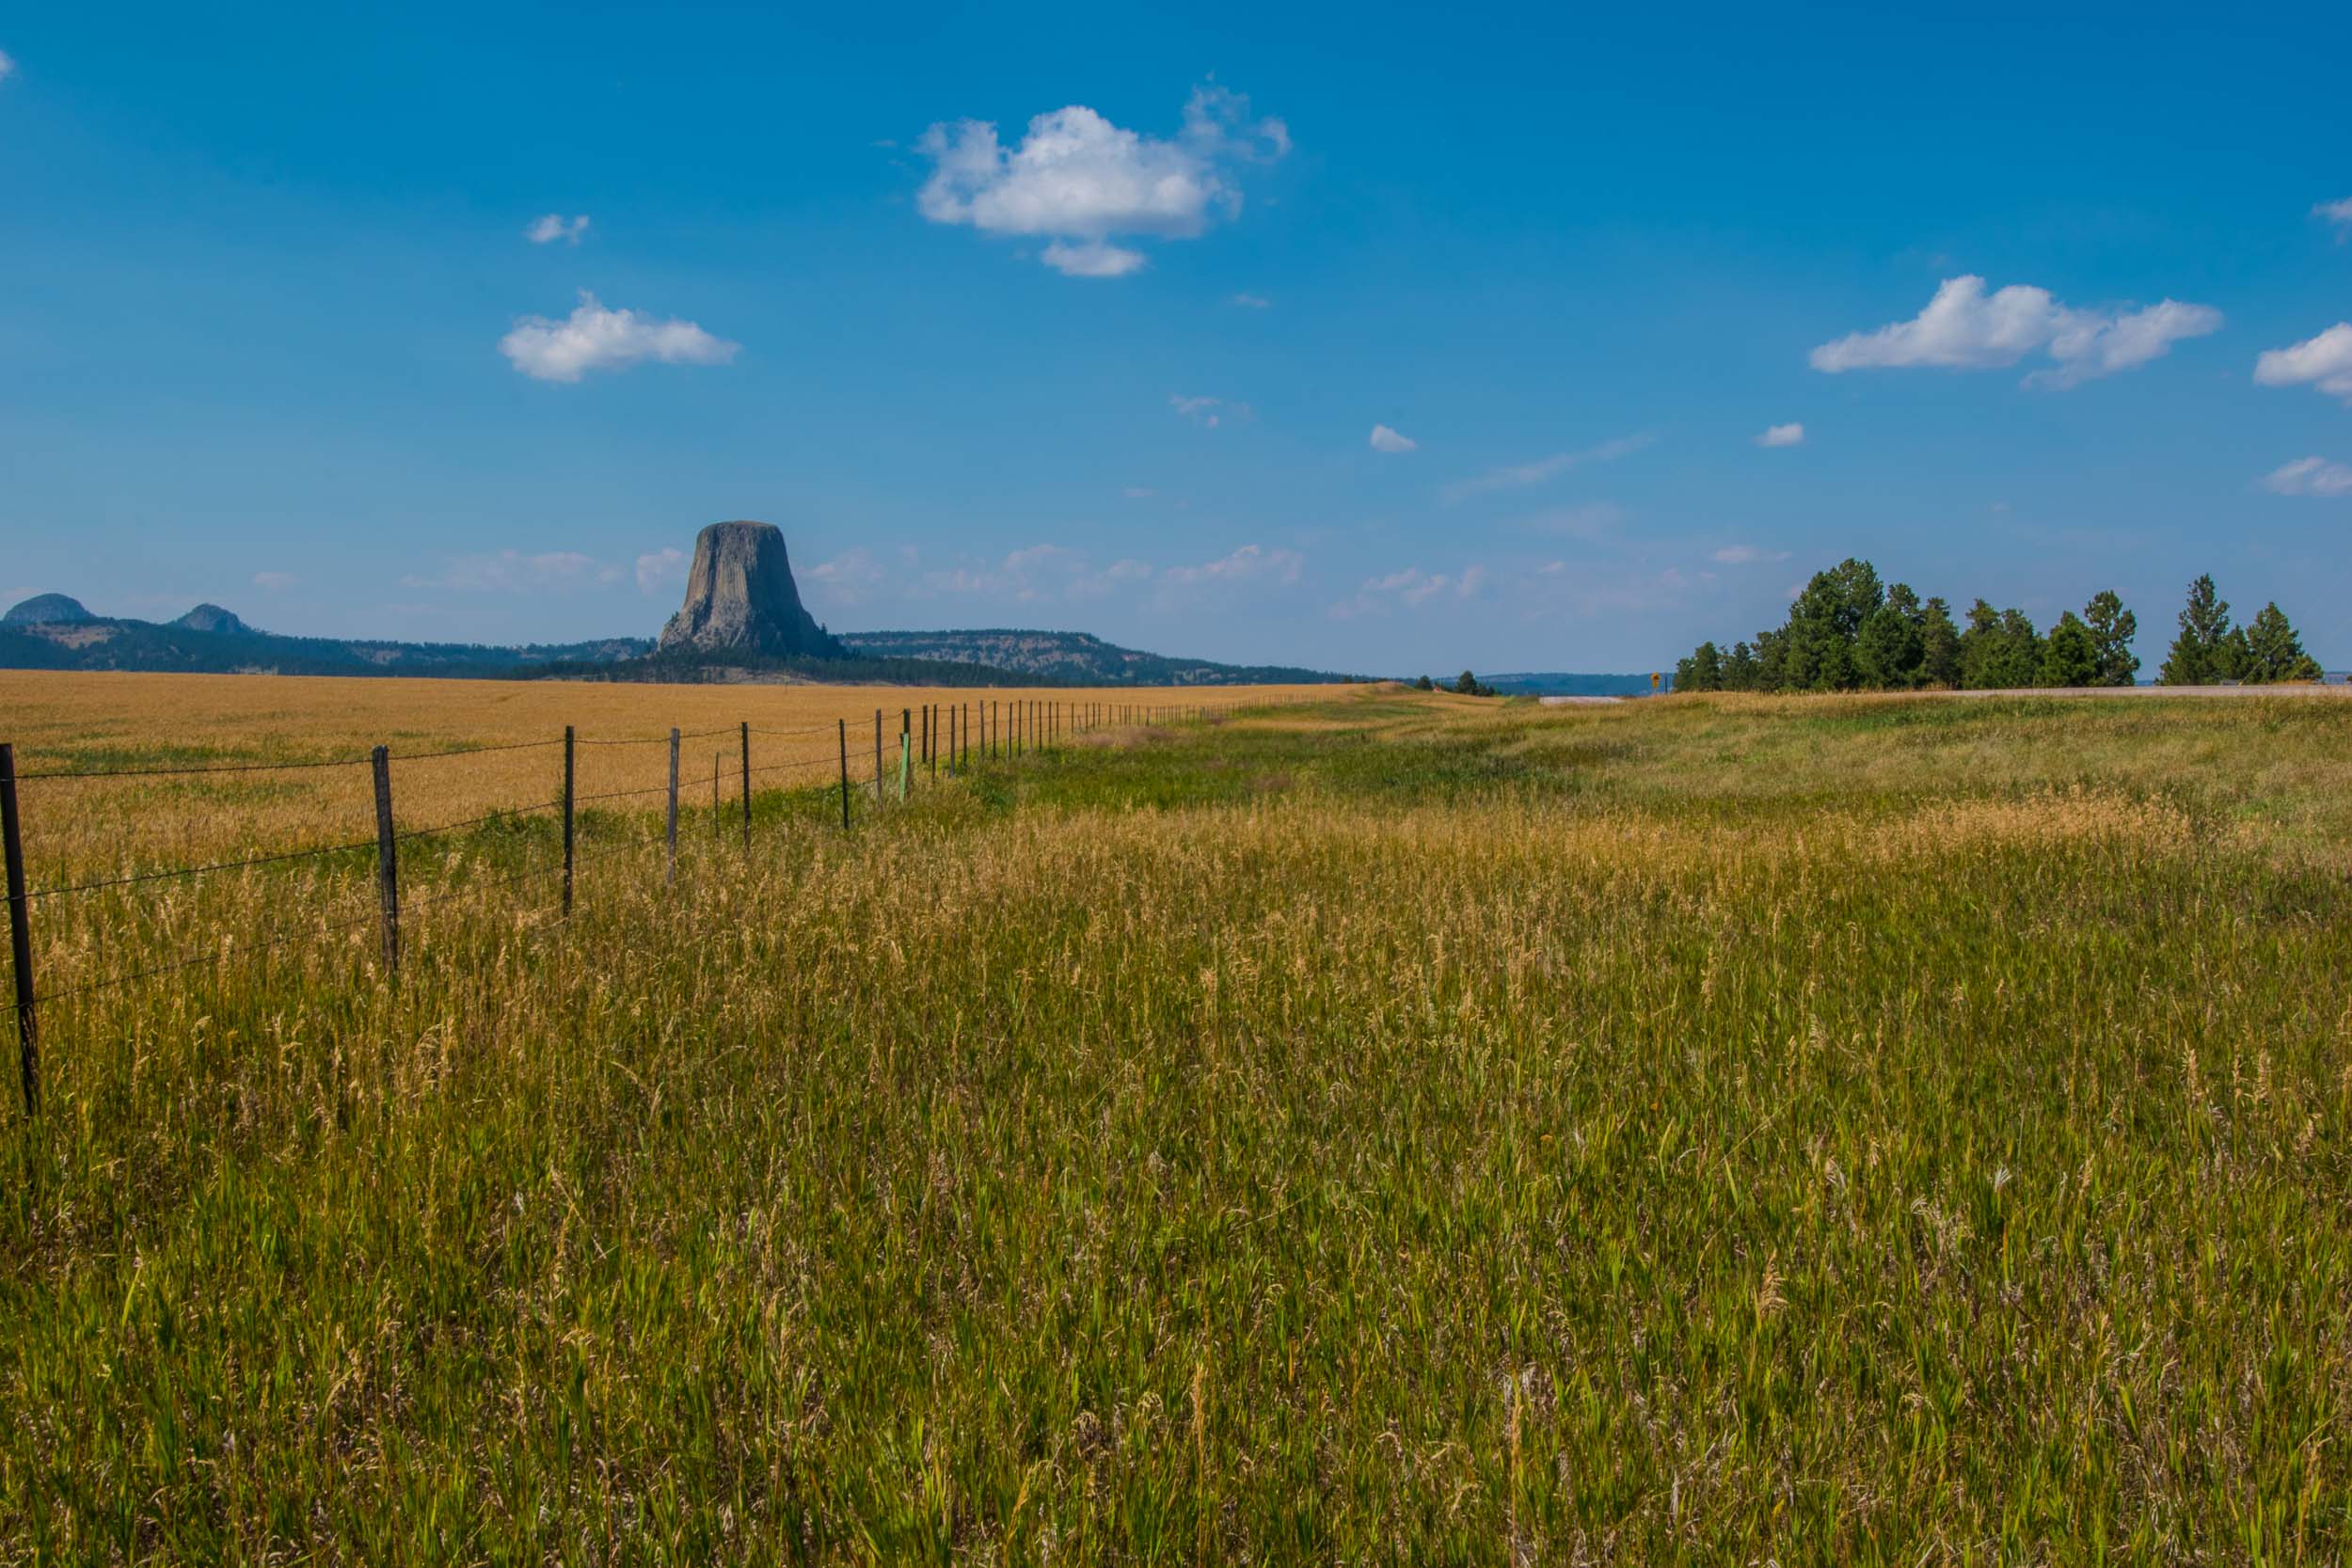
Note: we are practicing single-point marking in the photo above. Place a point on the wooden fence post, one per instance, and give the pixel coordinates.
(845, 773)
(387, 857)
(567, 822)
(671, 880)
(20, 935)
(747, 786)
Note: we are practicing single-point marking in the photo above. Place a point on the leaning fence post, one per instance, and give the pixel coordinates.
(845, 773)
(20, 935)
(387, 857)
(567, 822)
(671, 879)
(747, 786)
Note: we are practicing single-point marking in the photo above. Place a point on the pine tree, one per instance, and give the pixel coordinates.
(2202, 653)
(1939, 645)
(2112, 629)
(2274, 652)
(2069, 655)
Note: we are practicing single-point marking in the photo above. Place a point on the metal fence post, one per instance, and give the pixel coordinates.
(387, 857)
(568, 776)
(845, 773)
(19, 934)
(747, 786)
(878, 778)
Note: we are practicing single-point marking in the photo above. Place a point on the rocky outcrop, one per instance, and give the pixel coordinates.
(741, 599)
(47, 610)
(211, 618)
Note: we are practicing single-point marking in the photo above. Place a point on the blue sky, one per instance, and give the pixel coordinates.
(1371, 339)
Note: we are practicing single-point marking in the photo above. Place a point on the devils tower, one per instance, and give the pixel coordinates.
(741, 599)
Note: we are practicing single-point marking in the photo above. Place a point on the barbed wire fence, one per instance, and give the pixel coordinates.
(930, 739)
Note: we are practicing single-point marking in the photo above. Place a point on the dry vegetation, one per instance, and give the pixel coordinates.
(1405, 1129)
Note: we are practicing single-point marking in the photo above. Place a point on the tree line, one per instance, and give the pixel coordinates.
(1846, 631)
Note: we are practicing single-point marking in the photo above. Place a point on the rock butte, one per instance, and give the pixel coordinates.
(740, 598)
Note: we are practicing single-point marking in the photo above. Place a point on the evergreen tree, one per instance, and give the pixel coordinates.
(1740, 670)
(2069, 657)
(2202, 653)
(1824, 625)
(2112, 629)
(1706, 670)
(1939, 645)
(2274, 652)
(1889, 649)
(1999, 651)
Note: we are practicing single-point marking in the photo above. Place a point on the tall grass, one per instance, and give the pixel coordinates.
(1402, 1131)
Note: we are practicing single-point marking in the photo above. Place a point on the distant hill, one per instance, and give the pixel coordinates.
(1556, 683)
(1074, 658)
(54, 632)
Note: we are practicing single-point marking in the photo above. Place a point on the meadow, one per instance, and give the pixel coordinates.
(1386, 1128)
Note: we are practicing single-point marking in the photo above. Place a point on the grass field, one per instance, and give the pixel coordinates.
(1397, 1128)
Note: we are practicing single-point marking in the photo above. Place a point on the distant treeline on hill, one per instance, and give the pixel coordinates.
(692, 668)
(1847, 632)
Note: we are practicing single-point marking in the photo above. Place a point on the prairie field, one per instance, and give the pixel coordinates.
(1356, 1127)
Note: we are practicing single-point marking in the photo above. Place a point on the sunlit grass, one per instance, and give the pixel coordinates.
(1399, 1130)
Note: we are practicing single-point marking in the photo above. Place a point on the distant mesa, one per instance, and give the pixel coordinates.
(741, 599)
(211, 618)
(48, 610)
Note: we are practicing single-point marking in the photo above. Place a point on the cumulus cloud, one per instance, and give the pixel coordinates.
(514, 571)
(1520, 475)
(1251, 566)
(1385, 439)
(2337, 215)
(660, 569)
(7, 66)
(1966, 329)
(1410, 589)
(1746, 555)
(2309, 476)
(594, 337)
(551, 227)
(2324, 361)
(275, 582)
(1208, 411)
(1253, 302)
(1782, 436)
(1075, 180)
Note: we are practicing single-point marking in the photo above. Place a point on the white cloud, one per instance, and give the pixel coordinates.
(1519, 475)
(513, 572)
(1965, 328)
(1746, 555)
(1208, 411)
(596, 338)
(2309, 476)
(7, 66)
(1138, 492)
(551, 227)
(660, 569)
(1250, 566)
(1782, 436)
(1076, 179)
(2338, 214)
(1091, 258)
(1253, 302)
(851, 577)
(2324, 361)
(1411, 588)
(1385, 439)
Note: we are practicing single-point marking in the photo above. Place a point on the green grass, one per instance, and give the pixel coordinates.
(1830, 1131)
